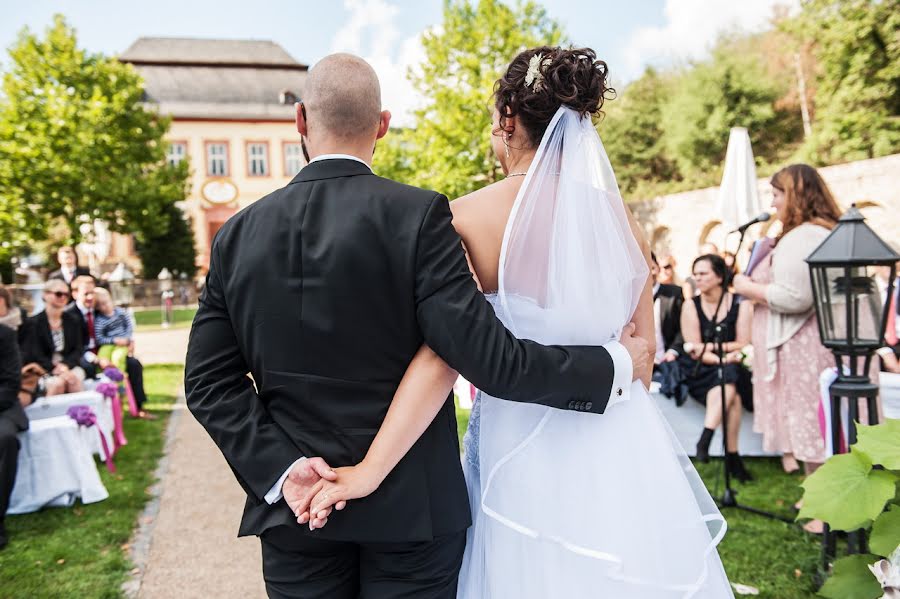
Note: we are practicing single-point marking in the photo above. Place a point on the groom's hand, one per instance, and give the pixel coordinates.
(638, 349)
(302, 484)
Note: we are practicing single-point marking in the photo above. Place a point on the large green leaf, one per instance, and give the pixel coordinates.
(881, 443)
(846, 492)
(852, 579)
(886, 532)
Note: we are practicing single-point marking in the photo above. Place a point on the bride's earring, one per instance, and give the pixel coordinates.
(506, 143)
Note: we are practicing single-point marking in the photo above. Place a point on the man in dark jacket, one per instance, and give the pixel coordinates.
(12, 419)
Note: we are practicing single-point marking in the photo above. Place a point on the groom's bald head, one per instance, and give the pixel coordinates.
(343, 97)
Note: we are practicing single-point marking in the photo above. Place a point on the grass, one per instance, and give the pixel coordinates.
(150, 320)
(777, 558)
(81, 551)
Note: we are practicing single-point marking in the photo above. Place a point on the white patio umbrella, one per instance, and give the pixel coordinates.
(738, 196)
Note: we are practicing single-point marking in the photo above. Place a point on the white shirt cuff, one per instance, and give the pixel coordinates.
(274, 495)
(623, 372)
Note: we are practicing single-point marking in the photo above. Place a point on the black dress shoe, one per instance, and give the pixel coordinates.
(702, 454)
(735, 466)
(4, 541)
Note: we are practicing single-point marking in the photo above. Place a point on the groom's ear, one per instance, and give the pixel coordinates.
(384, 124)
(300, 118)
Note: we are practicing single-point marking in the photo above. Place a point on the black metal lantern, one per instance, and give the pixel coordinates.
(852, 317)
(851, 313)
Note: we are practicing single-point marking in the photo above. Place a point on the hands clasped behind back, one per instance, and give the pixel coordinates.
(306, 479)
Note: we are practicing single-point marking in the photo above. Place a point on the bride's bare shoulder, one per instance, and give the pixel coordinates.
(482, 202)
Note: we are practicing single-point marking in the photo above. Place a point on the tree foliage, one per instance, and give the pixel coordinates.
(76, 144)
(857, 101)
(175, 249)
(449, 147)
(632, 133)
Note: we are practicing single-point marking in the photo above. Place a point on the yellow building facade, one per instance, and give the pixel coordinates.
(232, 165)
(232, 109)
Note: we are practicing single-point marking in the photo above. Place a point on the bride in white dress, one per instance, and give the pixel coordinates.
(564, 504)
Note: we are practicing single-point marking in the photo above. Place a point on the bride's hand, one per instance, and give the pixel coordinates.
(353, 482)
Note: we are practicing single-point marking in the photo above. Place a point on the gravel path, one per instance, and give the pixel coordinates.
(162, 347)
(191, 548)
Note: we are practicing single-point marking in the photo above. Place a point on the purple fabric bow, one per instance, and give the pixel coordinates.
(83, 415)
(113, 374)
(109, 390)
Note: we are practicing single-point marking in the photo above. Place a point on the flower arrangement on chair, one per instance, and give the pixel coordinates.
(117, 376)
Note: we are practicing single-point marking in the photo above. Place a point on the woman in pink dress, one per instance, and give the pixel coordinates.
(788, 353)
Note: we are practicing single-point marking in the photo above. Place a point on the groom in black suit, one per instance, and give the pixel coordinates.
(324, 291)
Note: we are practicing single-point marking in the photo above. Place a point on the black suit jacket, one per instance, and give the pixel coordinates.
(671, 299)
(38, 345)
(11, 379)
(324, 291)
(79, 271)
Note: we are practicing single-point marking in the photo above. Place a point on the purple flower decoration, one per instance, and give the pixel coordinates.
(113, 374)
(83, 415)
(109, 390)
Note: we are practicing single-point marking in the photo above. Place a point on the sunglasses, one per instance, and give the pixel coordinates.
(59, 294)
(667, 267)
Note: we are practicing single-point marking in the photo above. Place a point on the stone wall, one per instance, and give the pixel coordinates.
(679, 223)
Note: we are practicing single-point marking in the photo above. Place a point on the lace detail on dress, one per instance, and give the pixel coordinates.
(473, 431)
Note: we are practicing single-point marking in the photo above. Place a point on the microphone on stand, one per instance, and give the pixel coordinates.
(759, 219)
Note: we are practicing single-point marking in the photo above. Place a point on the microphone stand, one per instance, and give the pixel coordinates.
(729, 496)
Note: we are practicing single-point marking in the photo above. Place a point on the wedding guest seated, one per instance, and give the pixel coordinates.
(68, 266)
(84, 309)
(690, 285)
(12, 419)
(667, 302)
(113, 328)
(53, 343)
(667, 274)
(700, 360)
(11, 315)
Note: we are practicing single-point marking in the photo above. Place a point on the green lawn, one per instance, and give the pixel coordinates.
(152, 319)
(80, 551)
(777, 558)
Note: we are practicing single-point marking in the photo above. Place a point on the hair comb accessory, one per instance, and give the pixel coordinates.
(534, 77)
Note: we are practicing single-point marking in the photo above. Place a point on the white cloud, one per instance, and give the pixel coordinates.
(691, 28)
(371, 33)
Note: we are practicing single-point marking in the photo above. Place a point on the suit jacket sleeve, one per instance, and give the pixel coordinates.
(10, 369)
(74, 341)
(460, 326)
(223, 398)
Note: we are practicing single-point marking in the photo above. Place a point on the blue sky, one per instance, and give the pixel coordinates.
(628, 34)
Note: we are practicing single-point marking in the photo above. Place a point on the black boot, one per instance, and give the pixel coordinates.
(735, 466)
(703, 445)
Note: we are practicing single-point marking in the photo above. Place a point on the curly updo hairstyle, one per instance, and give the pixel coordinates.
(572, 77)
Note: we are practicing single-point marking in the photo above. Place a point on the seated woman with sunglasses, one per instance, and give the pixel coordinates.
(53, 344)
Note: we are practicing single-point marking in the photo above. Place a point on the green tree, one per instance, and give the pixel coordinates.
(857, 100)
(175, 249)
(76, 144)
(449, 147)
(732, 89)
(632, 133)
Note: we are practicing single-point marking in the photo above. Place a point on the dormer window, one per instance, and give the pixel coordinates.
(288, 97)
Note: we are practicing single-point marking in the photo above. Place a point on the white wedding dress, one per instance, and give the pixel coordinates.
(566, 504)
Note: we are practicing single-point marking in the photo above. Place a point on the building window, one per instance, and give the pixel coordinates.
(293, 159)
(258, 159)
(176, 153)
(217, 159)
